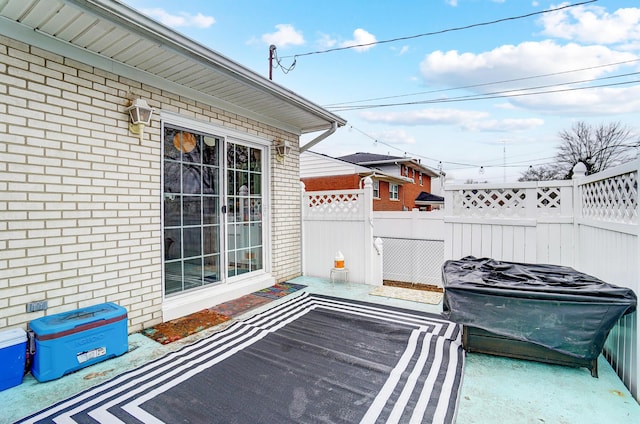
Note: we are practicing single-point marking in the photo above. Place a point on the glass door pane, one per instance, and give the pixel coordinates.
(191, 209)
(244, 209)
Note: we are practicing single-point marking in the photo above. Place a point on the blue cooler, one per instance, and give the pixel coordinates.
(72, 340)
(13, 351)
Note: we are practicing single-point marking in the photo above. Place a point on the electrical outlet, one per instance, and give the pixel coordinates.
(37, 306)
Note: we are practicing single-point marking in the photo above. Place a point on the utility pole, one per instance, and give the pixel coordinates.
(272, 49)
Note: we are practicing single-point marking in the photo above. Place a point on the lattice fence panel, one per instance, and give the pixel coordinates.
(614, 199)
(413, 261)
(549, 200)
(496, 202)
(333, 206)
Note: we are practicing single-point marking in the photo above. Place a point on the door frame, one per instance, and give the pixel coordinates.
(177, 305)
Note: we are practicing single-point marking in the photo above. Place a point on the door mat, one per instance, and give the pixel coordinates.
(422, 296)
(414, 286)
(177, 329)
(309, 359)
(279, 290)
(238, 306)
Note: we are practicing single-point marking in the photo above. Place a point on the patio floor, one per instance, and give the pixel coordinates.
(494, 390)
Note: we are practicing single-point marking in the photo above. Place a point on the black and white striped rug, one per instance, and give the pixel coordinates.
(310, 359)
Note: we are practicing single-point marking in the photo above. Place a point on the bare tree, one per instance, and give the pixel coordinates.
(541, 173)
(598, 147)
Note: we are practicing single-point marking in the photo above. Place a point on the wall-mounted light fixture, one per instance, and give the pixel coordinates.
(283, 148)
(140, 113)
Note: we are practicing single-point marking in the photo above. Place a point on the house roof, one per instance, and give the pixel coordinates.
(372, 159)
(313, 164)
(112, 36)
(425, 198)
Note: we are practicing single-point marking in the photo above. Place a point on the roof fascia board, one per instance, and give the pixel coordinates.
(428, 202)
(164, 35)
(386, 177)
(44, 41)
(401, 160)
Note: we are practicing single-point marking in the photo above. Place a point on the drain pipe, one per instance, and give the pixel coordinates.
(318, 139)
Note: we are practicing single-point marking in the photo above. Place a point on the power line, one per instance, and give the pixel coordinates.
(494, 95)
(484, 165)
(426, 34)
(485, 84)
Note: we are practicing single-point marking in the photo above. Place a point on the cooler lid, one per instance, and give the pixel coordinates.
(66, 321)
(12, 337)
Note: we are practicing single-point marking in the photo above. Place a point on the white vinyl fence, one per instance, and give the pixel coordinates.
(341, 220)
(413, 245)
(589, 223)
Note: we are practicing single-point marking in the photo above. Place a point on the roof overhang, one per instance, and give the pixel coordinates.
(427, 199)
(382, 176)
(116, 38)
(430, 172)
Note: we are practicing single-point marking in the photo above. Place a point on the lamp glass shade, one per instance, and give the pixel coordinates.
(283, 148)
(140, 112)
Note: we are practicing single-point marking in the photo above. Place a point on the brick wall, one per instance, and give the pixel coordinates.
(334, 182)
(286, 230)
(80, 196)
(383, 203)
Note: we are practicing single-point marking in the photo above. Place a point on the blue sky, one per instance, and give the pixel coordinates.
(421, 85)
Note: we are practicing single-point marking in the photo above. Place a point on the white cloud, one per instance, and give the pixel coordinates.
(400, 51)
(395, 137)
(593, 24)
(503, 125)
(453, 3)
(182, 19)
(464, 119)
(285, 35)
(593, 102)
(511, 62)
(425, 117)
(325, 41)
(360, 37)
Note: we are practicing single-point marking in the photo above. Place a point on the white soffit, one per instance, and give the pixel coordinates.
(112, 36)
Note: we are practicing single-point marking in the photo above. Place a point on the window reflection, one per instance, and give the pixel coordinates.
(193, 224)
(191, 209)
(244, 199)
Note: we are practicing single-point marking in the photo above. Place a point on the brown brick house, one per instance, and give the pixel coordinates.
(400, 183)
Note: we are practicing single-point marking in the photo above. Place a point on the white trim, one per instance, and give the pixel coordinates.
(177, 306)
(187, 122)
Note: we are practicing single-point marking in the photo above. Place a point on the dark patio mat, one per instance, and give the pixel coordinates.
(310, 359)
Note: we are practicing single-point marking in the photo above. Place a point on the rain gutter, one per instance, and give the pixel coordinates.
(318, 139)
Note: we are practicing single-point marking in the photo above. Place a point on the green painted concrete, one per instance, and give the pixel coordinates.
(494, 390)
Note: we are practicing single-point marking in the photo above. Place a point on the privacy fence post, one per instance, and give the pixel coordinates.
(579, 172)
(303, 213)
(370, 253)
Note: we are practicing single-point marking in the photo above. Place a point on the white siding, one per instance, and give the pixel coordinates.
(317, 165)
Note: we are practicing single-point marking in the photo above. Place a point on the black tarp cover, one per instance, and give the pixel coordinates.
(553, 306)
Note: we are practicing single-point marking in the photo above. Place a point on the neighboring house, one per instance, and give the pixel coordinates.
(196, 210)
(399, 183)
